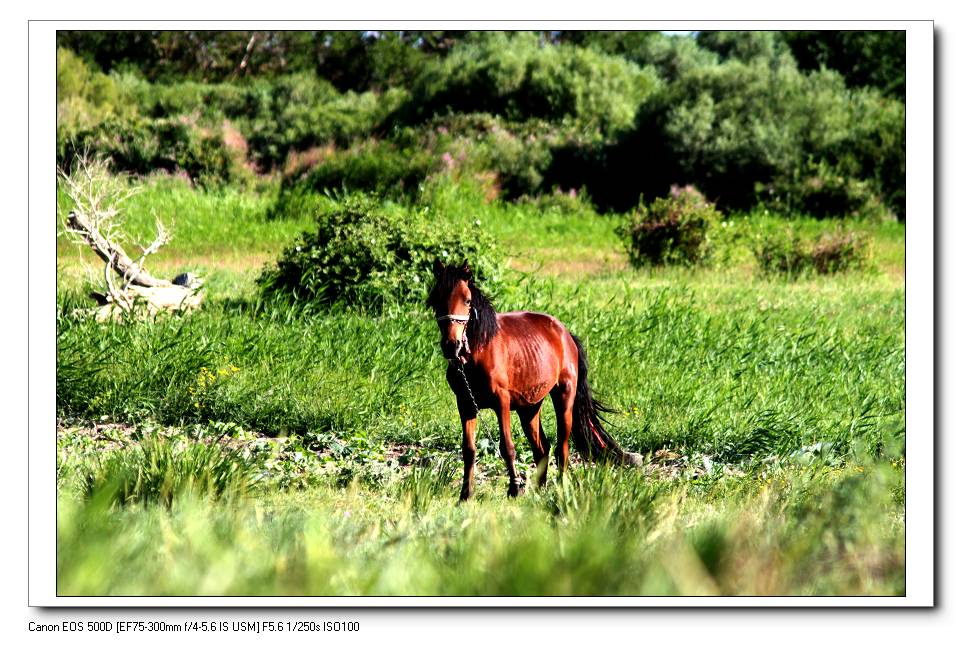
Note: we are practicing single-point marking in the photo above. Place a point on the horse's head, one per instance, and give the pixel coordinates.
(451, 301)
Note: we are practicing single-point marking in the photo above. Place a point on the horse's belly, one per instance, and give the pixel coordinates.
(532, 382)
(531, 394)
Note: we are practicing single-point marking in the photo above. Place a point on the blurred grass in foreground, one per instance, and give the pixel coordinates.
(790, 530)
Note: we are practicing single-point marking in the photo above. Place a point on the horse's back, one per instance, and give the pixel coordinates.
(521, 324)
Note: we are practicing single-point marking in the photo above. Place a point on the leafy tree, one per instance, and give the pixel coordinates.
(864, 58)
(518, 77)
(670, 55)
(745, 45)
(110, 49)
(627, 44)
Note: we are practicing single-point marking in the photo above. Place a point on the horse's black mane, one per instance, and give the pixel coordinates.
(483, 325)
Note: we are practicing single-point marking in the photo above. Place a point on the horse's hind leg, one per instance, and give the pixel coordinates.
(531, 423)
(563, 398)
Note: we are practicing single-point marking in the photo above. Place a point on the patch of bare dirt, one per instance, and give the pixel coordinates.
(299, 162)
(571, 267)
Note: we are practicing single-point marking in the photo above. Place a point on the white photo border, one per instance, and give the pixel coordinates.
(919, 332)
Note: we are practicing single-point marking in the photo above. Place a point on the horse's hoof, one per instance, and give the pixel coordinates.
(541, 472)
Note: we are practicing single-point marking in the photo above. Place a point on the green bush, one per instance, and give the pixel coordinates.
(85, 97)
(142, 146)
(369, 254)
(672, 230)
(874, 146)
(296, 202)
(619, 113)
(820, 190)
(789, 253)
(374, 167)
(519, 78)
(560, 202)
(744, 45)
(212, 101)
(669, 55)
(519, 161)
(302, 111)
(513, 155)
(277, 116)
(738, 123)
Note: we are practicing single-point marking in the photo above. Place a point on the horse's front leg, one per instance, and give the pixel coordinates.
(469, 453)
(507, 445)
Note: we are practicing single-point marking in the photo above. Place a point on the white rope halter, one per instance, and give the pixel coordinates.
(461, 319)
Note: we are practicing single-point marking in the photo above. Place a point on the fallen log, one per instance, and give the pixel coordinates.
(112, 253)
(148, 301)
(139, 294)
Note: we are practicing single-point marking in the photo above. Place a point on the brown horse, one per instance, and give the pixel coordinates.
(512, 362)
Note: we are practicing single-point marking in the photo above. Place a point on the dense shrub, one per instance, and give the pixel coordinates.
(620, 114)
(296, 202)
(737, 123)
(519, 161)
(821, 191)
(873, 148)
(370, 254)
(669, 55)
(304, 111)
(142, 146)
(864, 58)
(374, 167)
(741, 122)
(792, 254)
(565, 203)
(744, 45)
(212, 101)
(672, 230)
(514, 76)
(85, 97)
(287, 113)
(515, 155)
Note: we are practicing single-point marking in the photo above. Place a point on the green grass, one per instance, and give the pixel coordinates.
(700, 368)
(793, 530)
(771, 413)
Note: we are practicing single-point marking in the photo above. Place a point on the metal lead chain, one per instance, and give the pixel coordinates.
(477, 409)
(519, 479)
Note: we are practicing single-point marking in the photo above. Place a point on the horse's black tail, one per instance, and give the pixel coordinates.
(589, 435)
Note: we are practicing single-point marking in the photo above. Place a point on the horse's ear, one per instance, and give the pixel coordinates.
(438, 268)
(465, 269)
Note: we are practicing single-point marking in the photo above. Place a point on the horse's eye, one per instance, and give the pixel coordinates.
(467, 301)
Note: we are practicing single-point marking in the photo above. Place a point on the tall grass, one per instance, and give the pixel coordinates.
(310, 452)
(158, 471)
(704, 369)
(808, 531)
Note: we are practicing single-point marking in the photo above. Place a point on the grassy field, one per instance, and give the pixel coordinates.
(254, 449)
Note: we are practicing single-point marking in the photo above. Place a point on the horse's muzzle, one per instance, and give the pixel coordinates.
(455, 350)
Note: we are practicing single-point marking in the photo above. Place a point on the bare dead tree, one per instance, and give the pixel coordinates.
(97, 221)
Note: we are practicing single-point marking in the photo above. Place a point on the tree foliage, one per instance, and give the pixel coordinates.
(797, 120)
(865, 58)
